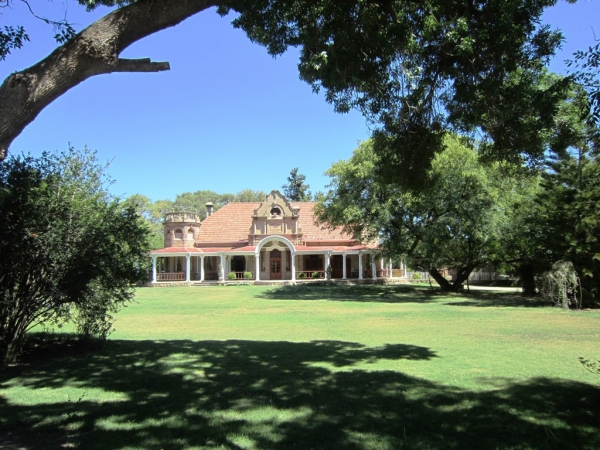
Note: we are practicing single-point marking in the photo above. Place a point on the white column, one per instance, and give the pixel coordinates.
(222, 264)
(154, 269)
(257, 266)
(360, 269)
(187, 268)
(344, 266)
(373, 267)
(293, 256)
(202, 268)
(327, 264)
(383, 269)
(391, 265)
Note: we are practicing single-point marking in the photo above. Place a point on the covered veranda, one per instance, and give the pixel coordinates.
(275, 259)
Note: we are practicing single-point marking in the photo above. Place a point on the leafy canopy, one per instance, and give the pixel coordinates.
(456, 223)
(418, 69)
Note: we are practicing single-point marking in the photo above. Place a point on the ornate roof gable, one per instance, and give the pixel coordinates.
(275, 215)
(276, 206)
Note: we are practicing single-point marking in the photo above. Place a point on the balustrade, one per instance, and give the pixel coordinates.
(170, 276)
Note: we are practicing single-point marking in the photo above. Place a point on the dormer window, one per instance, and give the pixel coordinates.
(275, 212)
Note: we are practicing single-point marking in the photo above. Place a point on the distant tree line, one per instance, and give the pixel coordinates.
(153, 212)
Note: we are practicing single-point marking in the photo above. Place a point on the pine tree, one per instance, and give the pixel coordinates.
(296, 190)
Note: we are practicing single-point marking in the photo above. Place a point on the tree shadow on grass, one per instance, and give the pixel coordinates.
(498, 299)
(401, 294)
(282, 395)
(365, 293)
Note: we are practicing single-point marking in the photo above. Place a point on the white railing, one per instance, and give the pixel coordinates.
(170, 276)
(421, 276)
(475, 276)
(488, 276)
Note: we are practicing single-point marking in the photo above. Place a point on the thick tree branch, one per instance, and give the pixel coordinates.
(94, 51)
(139, 65)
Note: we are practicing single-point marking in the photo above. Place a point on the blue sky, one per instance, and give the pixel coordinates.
(226, 117)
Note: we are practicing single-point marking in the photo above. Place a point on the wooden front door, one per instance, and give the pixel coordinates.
(275, 264)
(337, 266)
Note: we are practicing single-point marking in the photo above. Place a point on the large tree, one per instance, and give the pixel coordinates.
(93, 51)
(532, 242)
(70, 252)
(455, 223)
(418, 69)
(569, 205)
(413, 68)
(586, 71)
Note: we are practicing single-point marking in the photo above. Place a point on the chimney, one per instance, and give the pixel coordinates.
(209, 209)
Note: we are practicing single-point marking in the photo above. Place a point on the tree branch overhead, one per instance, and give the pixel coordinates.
(140, 65)
(93, 51)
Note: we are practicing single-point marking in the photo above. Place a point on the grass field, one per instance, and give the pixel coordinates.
(327, 367)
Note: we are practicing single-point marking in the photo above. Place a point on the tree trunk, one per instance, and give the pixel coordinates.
(444, 284)
(527, 278)
(461, 276)
(12, 335)
(94, 51)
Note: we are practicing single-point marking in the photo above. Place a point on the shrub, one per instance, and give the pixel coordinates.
(248, 275)
(70, 251)
(316, 275)
(416, 276)
(302, 275)
(561, 285)
(231, 275)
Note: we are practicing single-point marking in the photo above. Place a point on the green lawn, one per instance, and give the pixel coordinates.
(328, 367)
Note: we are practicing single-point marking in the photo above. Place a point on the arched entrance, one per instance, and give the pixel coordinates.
(276, 255)
(275, 265)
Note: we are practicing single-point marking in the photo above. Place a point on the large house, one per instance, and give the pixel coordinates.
(275, 240)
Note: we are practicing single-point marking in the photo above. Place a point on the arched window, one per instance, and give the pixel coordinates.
(275, 212)
(178, 234)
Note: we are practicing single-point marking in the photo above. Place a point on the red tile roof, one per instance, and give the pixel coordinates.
(313, 232)
(228, 228)
(233, 221)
